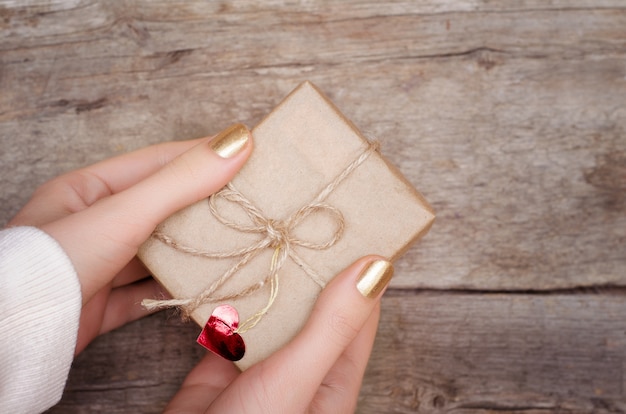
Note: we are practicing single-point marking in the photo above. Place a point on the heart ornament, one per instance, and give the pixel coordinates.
(220, 334)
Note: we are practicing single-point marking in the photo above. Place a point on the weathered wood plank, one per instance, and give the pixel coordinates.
(509, 116)
(439, 352)
(135, 369)
(435, 352)
(515, 133)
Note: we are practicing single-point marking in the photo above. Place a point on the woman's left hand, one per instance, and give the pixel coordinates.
(101, 214)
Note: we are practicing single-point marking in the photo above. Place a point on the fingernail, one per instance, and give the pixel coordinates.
(230, 141)
(374, 278)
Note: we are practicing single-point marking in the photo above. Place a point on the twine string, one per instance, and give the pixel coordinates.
(276, 234)
(254, 319)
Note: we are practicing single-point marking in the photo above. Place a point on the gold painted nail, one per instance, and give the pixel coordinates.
(230, 141)
(374, 278)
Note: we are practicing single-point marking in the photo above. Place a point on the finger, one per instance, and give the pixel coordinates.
(91, 319)
(339, 314)
(193, 176)
(203, 384)
(124, 303)
(100, 240)
(132, 272)
(111, 308)
(121, 172)
(76, 190)
(339, 391)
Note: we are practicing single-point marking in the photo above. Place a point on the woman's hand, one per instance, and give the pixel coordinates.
(101, 214)
(319, 371)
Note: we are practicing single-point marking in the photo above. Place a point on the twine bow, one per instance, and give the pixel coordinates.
(276, 234)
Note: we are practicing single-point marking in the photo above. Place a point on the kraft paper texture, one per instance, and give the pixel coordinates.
(299, 148)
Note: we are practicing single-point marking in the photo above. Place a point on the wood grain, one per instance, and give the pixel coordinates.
(435, 352)
(479, 353)
(510, 117)
(515, 133)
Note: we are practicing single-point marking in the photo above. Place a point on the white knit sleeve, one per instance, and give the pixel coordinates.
(40, 304)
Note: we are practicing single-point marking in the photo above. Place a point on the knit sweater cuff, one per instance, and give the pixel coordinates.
(40, 304)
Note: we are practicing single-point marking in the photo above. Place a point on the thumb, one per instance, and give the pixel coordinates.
(103, 238)
(340, 314)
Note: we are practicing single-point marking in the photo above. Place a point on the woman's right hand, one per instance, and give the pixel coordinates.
(319, 371)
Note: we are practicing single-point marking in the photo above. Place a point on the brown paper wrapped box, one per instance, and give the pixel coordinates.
(303, 145)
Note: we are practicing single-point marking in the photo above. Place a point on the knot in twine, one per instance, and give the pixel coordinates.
(276, 234)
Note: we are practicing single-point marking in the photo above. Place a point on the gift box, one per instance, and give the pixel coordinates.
(314, 197)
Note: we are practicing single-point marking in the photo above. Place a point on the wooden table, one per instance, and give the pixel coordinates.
(510, 117)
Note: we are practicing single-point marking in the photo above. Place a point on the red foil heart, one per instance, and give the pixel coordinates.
(219, 334)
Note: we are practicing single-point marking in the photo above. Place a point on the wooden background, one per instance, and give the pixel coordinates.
(509, 116)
